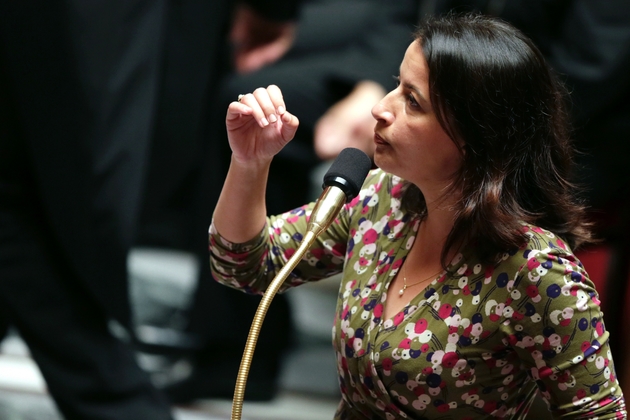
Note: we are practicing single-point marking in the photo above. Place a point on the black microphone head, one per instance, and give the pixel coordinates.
(348, 171)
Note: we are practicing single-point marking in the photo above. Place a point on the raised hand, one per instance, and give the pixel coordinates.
(259, 126)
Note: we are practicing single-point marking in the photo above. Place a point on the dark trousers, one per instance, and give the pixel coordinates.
(62, 248)
(90, 373)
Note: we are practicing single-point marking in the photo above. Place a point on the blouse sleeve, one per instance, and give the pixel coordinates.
(560, 336)
(252, 266)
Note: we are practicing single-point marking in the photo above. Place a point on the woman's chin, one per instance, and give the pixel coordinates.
(382, 158)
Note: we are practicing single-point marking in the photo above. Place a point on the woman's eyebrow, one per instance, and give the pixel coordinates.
(413, 88)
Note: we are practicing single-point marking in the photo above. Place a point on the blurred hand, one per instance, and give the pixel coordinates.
(258, 126)
(349, 123)
(257, 40)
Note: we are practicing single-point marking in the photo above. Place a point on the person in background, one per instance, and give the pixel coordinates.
(90, 93)
(204, 43)
(460, 293)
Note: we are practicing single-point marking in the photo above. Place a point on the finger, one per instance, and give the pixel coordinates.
(277, 99)
(257, 112)
(236, 109)
(290, 125)
(266, 105)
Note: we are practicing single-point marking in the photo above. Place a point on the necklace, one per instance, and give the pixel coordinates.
(405, 285)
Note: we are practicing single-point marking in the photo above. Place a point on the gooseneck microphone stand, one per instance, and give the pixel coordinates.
(332, 203)
(342, 182)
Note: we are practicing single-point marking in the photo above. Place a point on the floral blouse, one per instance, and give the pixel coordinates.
(478, 342)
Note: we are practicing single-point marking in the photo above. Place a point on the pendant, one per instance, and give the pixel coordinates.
(401, 291)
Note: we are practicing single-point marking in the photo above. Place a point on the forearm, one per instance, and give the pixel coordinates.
(240, 213)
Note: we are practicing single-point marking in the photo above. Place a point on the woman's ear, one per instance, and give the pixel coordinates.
(461, 145)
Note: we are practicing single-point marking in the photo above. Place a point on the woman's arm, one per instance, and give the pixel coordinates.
(562, 339)
(258, 127)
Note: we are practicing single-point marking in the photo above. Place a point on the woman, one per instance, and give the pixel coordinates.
(460, 296)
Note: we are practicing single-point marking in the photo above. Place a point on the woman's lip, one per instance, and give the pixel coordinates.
(378, 139)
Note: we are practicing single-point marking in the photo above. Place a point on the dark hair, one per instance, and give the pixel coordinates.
(494, 94)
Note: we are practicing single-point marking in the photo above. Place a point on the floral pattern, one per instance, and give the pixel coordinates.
(480, 341)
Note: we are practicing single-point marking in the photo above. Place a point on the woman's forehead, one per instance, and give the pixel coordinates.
(414, 69)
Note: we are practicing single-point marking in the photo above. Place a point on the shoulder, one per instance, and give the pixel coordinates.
(379, 197)
(381, 187)
(545, 250)
(546, 268)
(544, 264)
(541, 245)
(374, 218)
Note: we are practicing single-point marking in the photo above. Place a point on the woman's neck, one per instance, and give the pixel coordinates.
(433, 233)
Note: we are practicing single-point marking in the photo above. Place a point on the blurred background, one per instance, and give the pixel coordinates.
(113, 152)
(307, 388)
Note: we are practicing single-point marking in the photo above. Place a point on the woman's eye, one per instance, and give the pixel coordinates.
(412, 101)
(410, 98)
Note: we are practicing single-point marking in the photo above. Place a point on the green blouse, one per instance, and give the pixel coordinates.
(478, 342)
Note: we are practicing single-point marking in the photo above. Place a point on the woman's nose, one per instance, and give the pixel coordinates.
(380, 111)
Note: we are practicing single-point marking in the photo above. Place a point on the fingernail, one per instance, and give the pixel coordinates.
(272, 118)
(264, 122)
(280, 110)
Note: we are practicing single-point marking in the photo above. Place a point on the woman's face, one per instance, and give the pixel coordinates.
(409, 140)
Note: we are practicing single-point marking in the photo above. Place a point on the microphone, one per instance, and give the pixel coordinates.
(348, 171)
(342, 183)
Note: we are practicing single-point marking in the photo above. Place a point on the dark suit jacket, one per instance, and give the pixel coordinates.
(50, 125)
(91, 86)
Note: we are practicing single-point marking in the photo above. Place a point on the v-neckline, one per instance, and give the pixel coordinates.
(402, 254)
